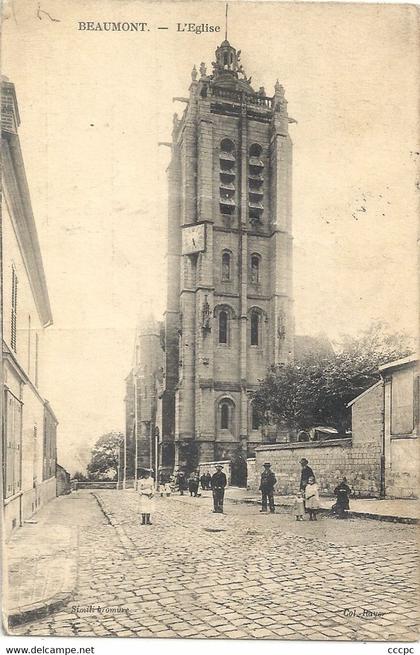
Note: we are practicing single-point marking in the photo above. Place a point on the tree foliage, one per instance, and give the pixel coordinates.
(316, 390)
(79, 476)
(104, 460)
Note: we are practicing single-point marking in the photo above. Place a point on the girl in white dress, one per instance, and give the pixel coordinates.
(312, 498)
(298, 506)
(145, 488)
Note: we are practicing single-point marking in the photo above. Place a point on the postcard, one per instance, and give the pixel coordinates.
(209, 320)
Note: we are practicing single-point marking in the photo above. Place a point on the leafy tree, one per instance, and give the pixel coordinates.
(104, 460)
(316, 389)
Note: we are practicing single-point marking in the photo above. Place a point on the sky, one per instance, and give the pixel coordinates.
(94, 106)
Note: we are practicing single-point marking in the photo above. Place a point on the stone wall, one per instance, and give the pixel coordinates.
(94, 485)
(253, 474)
(330, 460)
(63, 485)
(402, 478)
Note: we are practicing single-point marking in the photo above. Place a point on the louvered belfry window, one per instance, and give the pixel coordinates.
(14, 310)
(255, 184)
(227, 172)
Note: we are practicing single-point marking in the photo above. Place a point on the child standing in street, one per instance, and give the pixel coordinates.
(312, 498)
(145, 488)
(298, 506)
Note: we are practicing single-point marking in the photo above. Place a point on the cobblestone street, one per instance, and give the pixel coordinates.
(239, 575)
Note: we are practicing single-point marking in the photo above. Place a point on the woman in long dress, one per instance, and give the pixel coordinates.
(145, 488)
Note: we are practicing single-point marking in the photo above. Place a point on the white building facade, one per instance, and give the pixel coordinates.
(29, 424)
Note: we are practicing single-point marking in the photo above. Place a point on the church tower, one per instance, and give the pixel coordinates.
(229, 289)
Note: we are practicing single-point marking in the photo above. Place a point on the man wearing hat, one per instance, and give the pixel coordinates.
(268, 481)
(306, 473)
(218, 484)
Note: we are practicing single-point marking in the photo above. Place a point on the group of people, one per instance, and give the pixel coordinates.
(216, 483)
(146, 489)
(307, 498)
(190, 483)
(193, 482)
(305, 501)
(205, 481)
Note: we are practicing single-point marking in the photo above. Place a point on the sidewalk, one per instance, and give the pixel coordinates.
(398, 511)
(41, 564)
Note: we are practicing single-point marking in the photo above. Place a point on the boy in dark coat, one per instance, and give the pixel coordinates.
(268, 481)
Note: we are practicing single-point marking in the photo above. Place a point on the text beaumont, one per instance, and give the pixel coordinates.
(92, 26)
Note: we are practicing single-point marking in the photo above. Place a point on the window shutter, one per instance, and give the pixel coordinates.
(14, 311)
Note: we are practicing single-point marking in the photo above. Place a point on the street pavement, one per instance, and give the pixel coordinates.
(243, 574)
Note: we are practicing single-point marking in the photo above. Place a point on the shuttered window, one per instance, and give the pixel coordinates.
(12, 445)
(36, 357)
(14, 311)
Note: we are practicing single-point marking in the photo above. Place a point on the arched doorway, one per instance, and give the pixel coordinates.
(238, 472)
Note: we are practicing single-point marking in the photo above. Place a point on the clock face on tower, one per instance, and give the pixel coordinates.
(193, 239)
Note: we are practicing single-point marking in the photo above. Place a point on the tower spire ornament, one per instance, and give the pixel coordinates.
(203, 70)
(226, 21)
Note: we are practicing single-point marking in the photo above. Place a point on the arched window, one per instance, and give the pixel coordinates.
(255, 419)
(226, 272)
(255, 325)
(223, 327)
(224, 416)
(255, 269)
(255, 150)
(226, 145)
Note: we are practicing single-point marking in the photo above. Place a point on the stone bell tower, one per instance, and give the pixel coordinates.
(229, 289)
